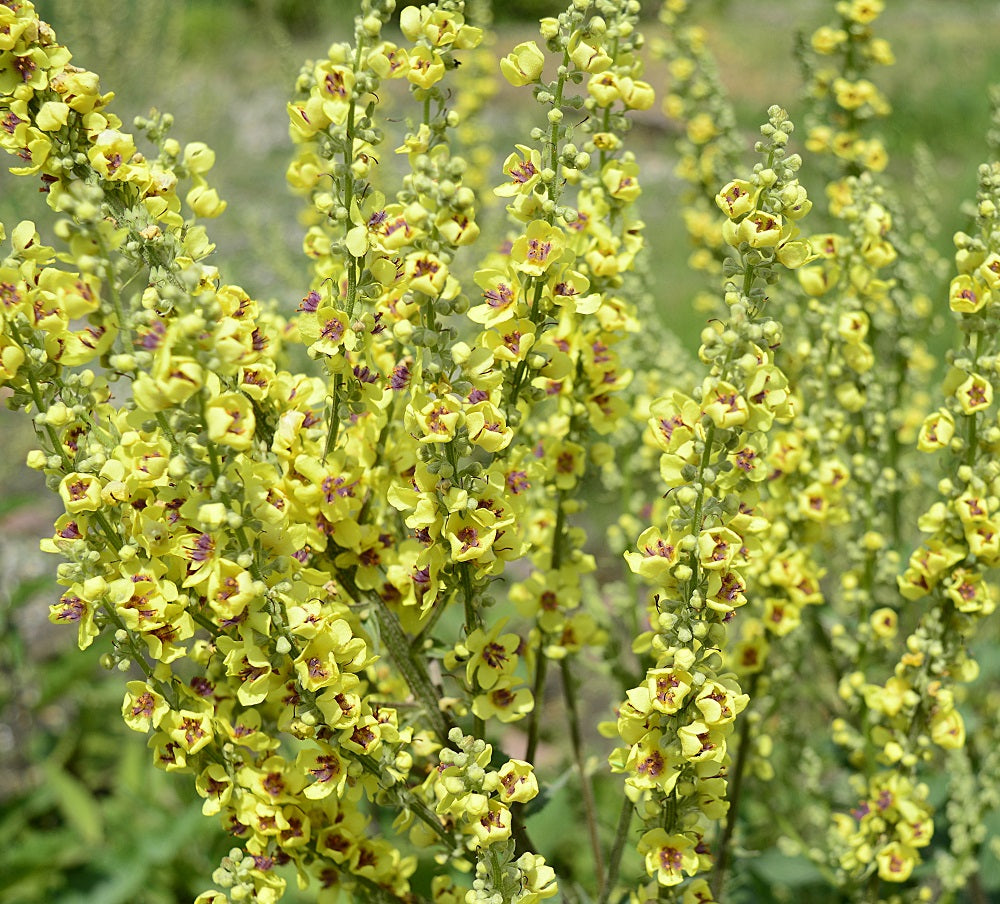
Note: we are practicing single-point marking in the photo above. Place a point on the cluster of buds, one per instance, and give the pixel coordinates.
(473, 796)
(885, 831)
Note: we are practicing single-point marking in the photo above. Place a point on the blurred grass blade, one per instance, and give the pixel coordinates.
(76, 803)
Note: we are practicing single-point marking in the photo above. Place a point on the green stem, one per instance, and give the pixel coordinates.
(706, 457)
(206, 623)
(407, 799)
(473, 617)
(587, 792)
(537, 689)
(552, 141)
(164, 424)
(138, 657)
(416, 645)
(240, 533)
(411, 667)
(977, 893)
(109, 276)
(334, 426)
(617, 848)
(68, 466)
(732, 815)
(970, 438)
(352, 263)
(535, 316)
(541, 666)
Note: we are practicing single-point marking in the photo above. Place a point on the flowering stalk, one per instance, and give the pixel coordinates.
(915, 710)
(709, 146)
(846, 100)
(675, 724)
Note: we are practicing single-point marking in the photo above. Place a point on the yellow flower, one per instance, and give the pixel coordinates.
(668, 857)
(948, 728)
(701, 129)
(896, 862)
(492, 826)
(327, 769)
(538, 248)
(488, 427)
(205, 202)
(621, 180)
(655, 557)
(517, 782)
(636, 94)
(523, 168)
(191, 731)
(701, 742)
(230, 420)
(587, 57)
(650, 766)
(523, 64)
(936, 431)
(426, 66)
(827, 39)
(862, 11)
(426, 272)
(884, 622)
(111, 152)
(172, 383)
(80, 492)
(52, 116)
(604, 88)
(667, 688)
(471, 535)
(492, 655)
(501, 293)
(760, 229)
(216, 785)
(736, 198)
(974, 394)
(725, 406)
(967, 295)
(504, 701)
(437, 419)
(880, 52)
(389, 61)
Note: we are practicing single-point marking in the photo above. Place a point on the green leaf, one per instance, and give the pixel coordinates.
(779, 869)
(11, 502)
(28, 588)
(77, 805)
(45, 852)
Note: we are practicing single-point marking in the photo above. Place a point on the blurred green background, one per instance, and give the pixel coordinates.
(83, 815)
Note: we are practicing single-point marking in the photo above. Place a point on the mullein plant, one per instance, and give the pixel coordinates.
(784, 579)
(914, 712)
(836, 475)
(868, 288)
(474, 90)
(708, 146)
(280, 531)
(675, 726)
(342, 595)
(845, 53)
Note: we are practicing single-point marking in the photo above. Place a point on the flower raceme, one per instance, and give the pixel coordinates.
(675, 726)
